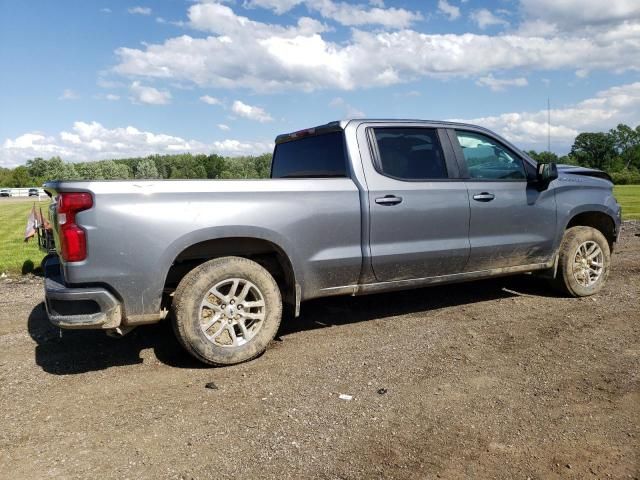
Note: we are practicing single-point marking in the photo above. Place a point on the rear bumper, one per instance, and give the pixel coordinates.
(75, 308)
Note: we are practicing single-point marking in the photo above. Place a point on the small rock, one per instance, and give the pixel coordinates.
(344, 396)
(211, 386)
(382, 391)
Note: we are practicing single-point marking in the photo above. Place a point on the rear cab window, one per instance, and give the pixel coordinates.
(317, 156)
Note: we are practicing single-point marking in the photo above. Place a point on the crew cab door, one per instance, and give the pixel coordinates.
(418, 218)
(511, 222)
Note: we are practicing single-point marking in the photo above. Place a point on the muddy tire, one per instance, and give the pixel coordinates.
(583, 263)
(226, 311)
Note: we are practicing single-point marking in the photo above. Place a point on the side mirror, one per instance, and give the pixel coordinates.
(546, 173)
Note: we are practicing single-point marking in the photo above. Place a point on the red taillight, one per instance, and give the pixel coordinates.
(73, 243)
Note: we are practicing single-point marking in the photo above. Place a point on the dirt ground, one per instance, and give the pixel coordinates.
(493, 379)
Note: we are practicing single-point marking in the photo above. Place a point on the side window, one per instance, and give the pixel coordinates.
(410, 153)
(487, 159)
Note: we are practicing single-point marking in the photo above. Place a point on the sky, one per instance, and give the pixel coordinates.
(90, 80)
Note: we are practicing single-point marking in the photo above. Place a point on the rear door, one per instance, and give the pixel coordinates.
(511, 223)
(418, 217)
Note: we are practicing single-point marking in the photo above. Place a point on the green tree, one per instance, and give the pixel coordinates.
(6, 175)
(263, 165)
(247, 167)
(627, 144)
(89, 171)
(213, 164)
(37, 168)
(594, 149)
(70, 172)
(543, 157)
(114, 171)
(146, 168)
(20, 177)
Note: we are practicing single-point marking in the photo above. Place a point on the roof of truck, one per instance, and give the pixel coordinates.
(341, 124)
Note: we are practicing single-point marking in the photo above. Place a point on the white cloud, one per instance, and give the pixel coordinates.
(251, 112)
(410, 93)
(278, 6)
(106, 83)
(580, 13)
(605, 110)
(354, 15)
(210, 100)
(346, 13)
(485, 18)
(224, 127)
(149, 95)
(238, 147)
(449, 10)
(349, 111)
(243, 53)
(93, 141)
(608, 20)
(498, 84)
(69, 94)
(105, 10)
(139, 10)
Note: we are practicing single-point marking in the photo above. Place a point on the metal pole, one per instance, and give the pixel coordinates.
(548, 125)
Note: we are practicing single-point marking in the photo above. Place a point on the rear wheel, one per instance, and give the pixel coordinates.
(227, 310)
(583, 263)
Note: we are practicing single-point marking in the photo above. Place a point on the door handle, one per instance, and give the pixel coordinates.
(484, 197)
(389, 200)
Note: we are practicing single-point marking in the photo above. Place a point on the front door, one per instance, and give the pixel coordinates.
(419, 218)
(511, 223)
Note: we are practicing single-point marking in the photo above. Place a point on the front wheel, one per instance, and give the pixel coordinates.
(583, 263)
(227, 310)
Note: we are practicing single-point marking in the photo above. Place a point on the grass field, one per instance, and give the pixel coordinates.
(629, 197)
(17, 256)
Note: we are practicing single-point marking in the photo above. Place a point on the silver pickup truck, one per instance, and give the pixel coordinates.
(352, 207)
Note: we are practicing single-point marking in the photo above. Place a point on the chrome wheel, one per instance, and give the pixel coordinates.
(588, 263)
(232, 312)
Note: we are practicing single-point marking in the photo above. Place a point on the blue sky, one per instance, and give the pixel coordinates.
(103, 79)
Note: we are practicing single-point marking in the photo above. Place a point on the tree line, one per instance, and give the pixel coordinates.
(183, 166)
(616, 152)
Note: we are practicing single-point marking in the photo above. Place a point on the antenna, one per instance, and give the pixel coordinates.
(548, 125)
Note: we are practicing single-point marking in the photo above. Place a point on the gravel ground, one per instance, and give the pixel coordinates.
(493, 379)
